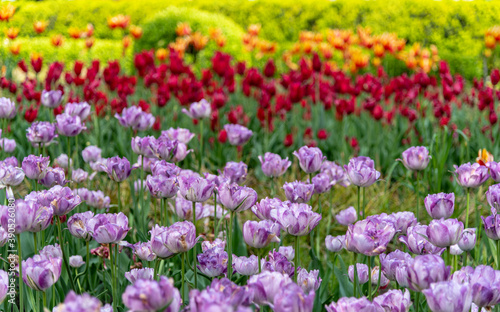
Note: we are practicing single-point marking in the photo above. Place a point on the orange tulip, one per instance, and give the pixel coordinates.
(254, 29)
(161, 54)
(15, 48)
(126, 42)
(57, 40)
(484, 157)
(74, 32)
(12, 32)
(39, 26)
(183, 29)
(199, 41)
(6, 12)
(119, 21)
(89, 42)
(135, 31)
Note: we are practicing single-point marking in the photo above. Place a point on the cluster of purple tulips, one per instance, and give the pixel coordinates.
(395, 257)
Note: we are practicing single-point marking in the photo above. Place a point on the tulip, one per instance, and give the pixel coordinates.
(309, 281)
(195, 189)
(246, 265)
(81, 110)
(98, 200)
(236, 198)
(162, 167)
(144, 251)
(494, 170)
(24, 216)
(136, 274)
(440, 205)
(221, 295)
(448, 296)
(237, 135)
(91, 154)
(273, 166)
(287, 251)
(279, 262)
(41, 272)
(336, 173)
(199, 110)
(180, 237)
(133, 117)
(296, 219)
(118, 169)
(369, 237)
(161, 186)
(52, 251)
(4, 285)
(235, 172)
(4, 235)
(143, 146)
(53, 177)
(425, 270)
(444, 233)
(180, 134)
(108, 228)
(492, 226)
(74, 302)
(68, 125)
(159, 236)
(403, 220)
(361, 171)
(362, 272)
(41, 132)
(76, 261)
(10, 161)
(267, 285)
(334, 244)
(7, 145)
(77, 225)
(321, 183)
(347, 216)
(51, 98)
(79, 175)
(181, 152)
(455, 250)
(416, 158)
(184, 210)
(351, 304)
(10, 176)
(260, 234)
(485, 285)
(467, 241)
(416, 242)
(310, 158)
(493, 197)
(291, 298)
(392, 261)
(42, 218)
(394, 301)
(213, 262)
(161, 148)
(64, 200)
(298, 192)
(62, 161)
(35, 167)
(7, 108)
(374, 278)
(263, 208)
(151, 295)
(470, 176)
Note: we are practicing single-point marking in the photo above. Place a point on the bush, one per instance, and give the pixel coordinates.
(159, 30)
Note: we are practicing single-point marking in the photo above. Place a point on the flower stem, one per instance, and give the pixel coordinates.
(87, 277)
(119, 198)
(21, 292)
(69, 158)
(35, 242)
(61, 242)
(364, 204)
(355, 277)
(467, 210)
(498, 253)
(141, 194)
(417, 301)
(297, 260)
(418, 196)
(44, 299)
(359, 202)
(183, 272)
(112, 269)
(258, 261)
(194, 248)
(369, 278)
(215, 215)
(200, 160)
(230, 247)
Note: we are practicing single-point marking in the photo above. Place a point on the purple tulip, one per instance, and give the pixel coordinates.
(292, 298)
(7, 145)
(493, 197)
(467, 241)
(425, 270)
(41, 132)
(417, 243)
(237, 198)
(62, 161)
(80, 303)
(237, 135)
(246, 265)
(79, 175)
(159, 236)
(35, 167)
(42, 218)
(374, 277)
(10, 176)
(336, 173)
(53, 177)
(310, 158)
(448, 296)
(403, 220)
(440, 205)
(394, 301)
(346, 304)
(142, 146)
(118, 169)
(81, 110)
(180, 134)
(181, 152)
(51, 251)
(77, 225)
(309, 281)
(334, 244)
(347, 216)
(4, 235)
(392, 261)
(144, 251)
(463, 275)
(7, 108)
(162, 148)
(216, 244)
(199, 110)
(68, 125)
(213, 262)
(402, 274)
(471, 176)
(64, 200)
(361, 171)
(180, 237)
(444, 233)
(273, 166)
(298, 192)
(287, 251)
(321, 183)
(416, 158)
(91, 154)
(267, 285)
(278, 262)
(76, 261)
(24, 216)
(150, 295)
(370, 236)
(97, 199)
(263, 208)
(236, 172)
(184, 209)
(135, 118)
(296, 219)
(195, 189)
(494, 170)
(161, 186)
(4, 285)
(10, 161)
(51, 98)
(485, 284)
(136, 274)
(41, 272)
(221, 295)
(260, 234)
(492, 226)
(362, 270)
(455, 250)
(108, 228)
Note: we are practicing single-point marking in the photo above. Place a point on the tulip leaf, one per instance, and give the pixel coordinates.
(239, 246)
(345, 286)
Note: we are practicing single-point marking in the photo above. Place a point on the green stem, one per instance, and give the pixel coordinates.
(35, 242)
(117, 268)
(65, 261)
(69, 158)
(230, 247)
(76, 160)
(317, 232)
(112, 270)
(258, 261)
(467, 210)
(87, 278)
(183, 272)
(155, 270)
(417, 301)
(418, 196)
(364, 204)
(448, 254)
(355, 276)
(215, 215)
(466, 256)
(119, 198)
(359, 202)
(272, 187)
(297, 260)
(498, 253)
(200, 160)
(142, 211)
(44, 299)
(369, 278)
(21, 292)
(194, 248)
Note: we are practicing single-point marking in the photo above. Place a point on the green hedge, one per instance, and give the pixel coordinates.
(456, 27)
(159, 30)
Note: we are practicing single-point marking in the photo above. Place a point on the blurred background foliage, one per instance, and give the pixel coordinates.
(455, 27)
